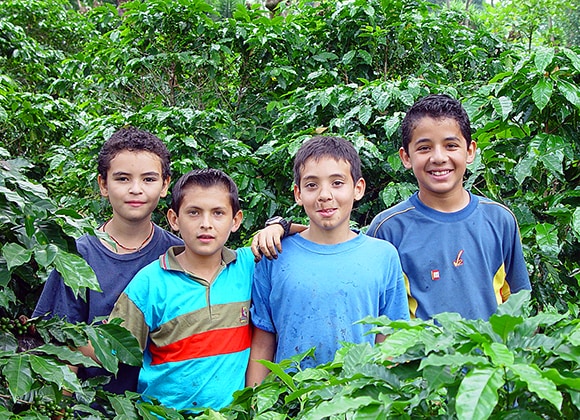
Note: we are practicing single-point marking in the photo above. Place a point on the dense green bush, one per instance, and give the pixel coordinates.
(241, 93)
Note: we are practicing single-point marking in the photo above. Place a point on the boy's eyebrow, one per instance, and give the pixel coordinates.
(150, 173)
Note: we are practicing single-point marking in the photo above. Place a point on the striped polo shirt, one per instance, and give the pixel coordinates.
(194, 333)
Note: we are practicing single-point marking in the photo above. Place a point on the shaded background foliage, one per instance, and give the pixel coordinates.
(229, 85)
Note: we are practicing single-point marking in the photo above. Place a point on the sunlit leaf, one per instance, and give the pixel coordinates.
(477, 395)
(76, 273)
(541, 92)
(18, 374)
(16, 255)
(543, 387)
(543, 57)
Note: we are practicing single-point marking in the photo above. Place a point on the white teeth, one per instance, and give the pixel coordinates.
(439, 173)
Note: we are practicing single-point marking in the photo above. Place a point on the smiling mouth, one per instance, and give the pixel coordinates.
(327, 212)
(440, 172)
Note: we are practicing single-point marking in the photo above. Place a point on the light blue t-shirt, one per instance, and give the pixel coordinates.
(313, 294)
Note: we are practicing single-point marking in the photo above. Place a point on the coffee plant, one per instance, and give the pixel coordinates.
(230, 85)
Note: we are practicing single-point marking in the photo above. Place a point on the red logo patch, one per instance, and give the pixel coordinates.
(434, 274)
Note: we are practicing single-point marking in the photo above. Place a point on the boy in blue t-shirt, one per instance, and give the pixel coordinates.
(460, 252)
(328, 277)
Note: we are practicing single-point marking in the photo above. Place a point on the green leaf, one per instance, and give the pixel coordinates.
(123, 407)
(543, 58)
(575, 222)
(547, 239)
(18, 375)
(73, 357)
(339, 405)
(574, 58)
(125, 346)
(45, 254)
(570, 92)
(542, 91)
(266, 398)
(499, 354)
(76, 273)
(16, 255)
(103, 350)
(543, 387)
(503, 106)
(365, 113)
(56, 373)
(504, 324)
(477, 395)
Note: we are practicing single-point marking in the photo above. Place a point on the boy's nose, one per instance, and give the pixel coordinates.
(325, 194)
(438, 155)
(135, 188)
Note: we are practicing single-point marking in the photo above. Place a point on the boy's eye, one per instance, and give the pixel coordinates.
(310, 185)
(219, 213)
(150, 179)
(193, 212)
(121, 178)
(338, 183)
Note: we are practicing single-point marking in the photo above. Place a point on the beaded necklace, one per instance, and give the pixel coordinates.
(128, 248)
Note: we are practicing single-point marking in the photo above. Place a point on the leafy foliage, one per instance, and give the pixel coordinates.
(230, 86)
(517, 363)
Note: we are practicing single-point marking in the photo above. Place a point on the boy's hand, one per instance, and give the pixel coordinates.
(267, 242)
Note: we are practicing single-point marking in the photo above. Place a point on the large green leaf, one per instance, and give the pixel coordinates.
(76, 273)
(575, 223)
(477, 395)
(18, 375)
(542, 91)
(503, 106)
(543, 387)
(16, 255)
(499, 354)
(59, 374)
(125, 346)
(547, 239)
(543, 58)
(103, 350)
(339, 405)
(569, 91)
(65, 353)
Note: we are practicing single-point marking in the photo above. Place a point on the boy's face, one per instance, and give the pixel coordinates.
(134, 185)
(438, 155)
(205, 219)
(327, 192)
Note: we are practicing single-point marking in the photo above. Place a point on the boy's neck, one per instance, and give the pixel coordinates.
(328, 237)
(202, 266)
(128, 236)
(446, 203)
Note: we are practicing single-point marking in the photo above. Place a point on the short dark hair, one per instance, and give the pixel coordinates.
(134, 140)
(437, 107)
(204, 178)
(327, 146)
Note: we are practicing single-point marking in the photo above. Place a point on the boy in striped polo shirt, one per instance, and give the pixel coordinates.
(189, 309)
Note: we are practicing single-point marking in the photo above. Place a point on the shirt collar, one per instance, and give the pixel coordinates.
(168, 261)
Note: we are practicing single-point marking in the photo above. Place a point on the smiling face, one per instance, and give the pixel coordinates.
(438, 154)
(327, 192)
(205, 220)
(134, 185)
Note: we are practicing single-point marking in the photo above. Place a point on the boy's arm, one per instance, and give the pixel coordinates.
(267, 242)
(263, 348)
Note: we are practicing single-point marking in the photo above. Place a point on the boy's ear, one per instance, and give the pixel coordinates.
(173, 220)
(359, 189)
(297, 196)
(238, 217)
(102, 186)
(471, 150)
(165, 189)
(405, 158)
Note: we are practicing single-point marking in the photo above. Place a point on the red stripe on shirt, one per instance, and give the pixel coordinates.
(209, 343)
